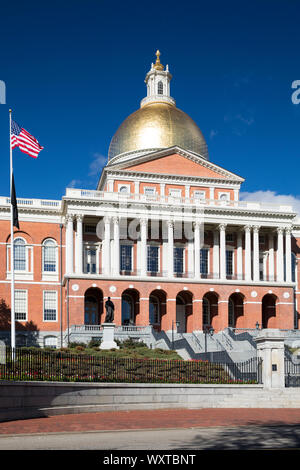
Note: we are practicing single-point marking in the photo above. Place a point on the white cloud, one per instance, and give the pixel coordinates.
(272, 197)
(99, 161)
(74, 183)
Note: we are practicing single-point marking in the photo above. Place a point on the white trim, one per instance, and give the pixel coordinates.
(16, 313)
(153, 189)
(158, 245)
(56, 305)
(49, 275)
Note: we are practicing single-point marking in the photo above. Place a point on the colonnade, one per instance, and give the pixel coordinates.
(247, 256)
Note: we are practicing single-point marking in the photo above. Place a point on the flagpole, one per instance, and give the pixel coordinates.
(12, 269)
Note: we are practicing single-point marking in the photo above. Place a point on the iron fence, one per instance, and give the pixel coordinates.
(40, 365)
(292, 372)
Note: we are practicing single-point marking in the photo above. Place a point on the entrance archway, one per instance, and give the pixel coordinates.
(235, 309)
(130, 306)
(93, 306)
(157, 308)
(269, 311)
(209, 310)
(184, 309)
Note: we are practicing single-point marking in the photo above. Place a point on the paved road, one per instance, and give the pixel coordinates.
(213, 438)
(198, 429)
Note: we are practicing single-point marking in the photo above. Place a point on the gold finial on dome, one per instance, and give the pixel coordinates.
(158, 65)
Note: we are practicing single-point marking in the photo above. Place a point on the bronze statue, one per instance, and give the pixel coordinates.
(109, 307)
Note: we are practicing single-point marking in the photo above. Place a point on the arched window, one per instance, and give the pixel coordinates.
(19, 254)
(49, 256)
(50, 342)
(160, 88)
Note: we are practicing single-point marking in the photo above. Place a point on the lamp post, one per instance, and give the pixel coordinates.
(208, 331)
(177, 326)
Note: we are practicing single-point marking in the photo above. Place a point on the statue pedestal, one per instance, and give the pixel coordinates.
(108, 341)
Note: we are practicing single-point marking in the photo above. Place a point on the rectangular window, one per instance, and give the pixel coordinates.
(204, 261)
(88, 228)
(149, 191)
(21, 305)
(175, 192)
(90, 254)
(50, 305)
(229, 262)
(126, 258)
(178, 260)
(19, 255)
(152, 259)
(199, 194)
(49, 251)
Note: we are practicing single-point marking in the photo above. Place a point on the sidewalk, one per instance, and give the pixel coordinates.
(154, 419)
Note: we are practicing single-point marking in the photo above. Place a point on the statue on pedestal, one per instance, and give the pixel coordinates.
(109, 307)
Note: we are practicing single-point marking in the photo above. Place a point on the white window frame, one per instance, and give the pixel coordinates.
(16, 305)
(205, 247)
(56, 304)
(127, 243)
(90, 246)
(50, 337)
(159, 256)
(199, 194)
(232, 249)
(180, 245)
(175, 192)
(152, 188)
(26, 274)
(50, 275)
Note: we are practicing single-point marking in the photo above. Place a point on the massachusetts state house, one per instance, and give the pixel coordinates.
(164, 235)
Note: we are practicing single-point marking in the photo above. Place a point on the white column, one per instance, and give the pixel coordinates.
(248, 253)
(279, 255)
(197, 249)
(216, 256)
(69, 244)
(288, 255)
(143, 251)
(116, 264)
(222, 228)
(256, 253)
(79, 246)
(271, 257)
(106, 247)
(170, 269)
(239, 252)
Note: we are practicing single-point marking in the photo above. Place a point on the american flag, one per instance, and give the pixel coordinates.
(25, 141)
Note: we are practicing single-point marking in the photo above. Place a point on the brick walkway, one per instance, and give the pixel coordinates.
(153, 419)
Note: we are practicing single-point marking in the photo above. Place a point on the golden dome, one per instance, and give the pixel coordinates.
(154, 126)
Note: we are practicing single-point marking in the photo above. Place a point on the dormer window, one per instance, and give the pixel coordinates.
(160, 88)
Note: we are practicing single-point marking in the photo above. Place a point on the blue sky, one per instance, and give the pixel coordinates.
(74, 70)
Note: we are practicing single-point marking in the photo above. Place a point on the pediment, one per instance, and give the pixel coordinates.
(173, 162)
